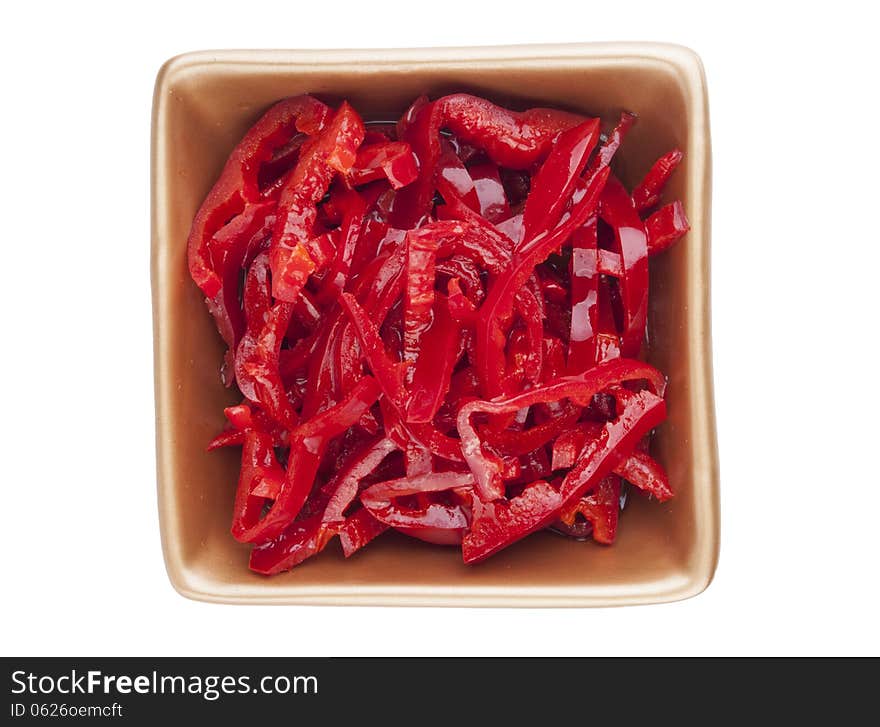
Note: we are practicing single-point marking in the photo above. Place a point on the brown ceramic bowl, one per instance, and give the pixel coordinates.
(203, 104)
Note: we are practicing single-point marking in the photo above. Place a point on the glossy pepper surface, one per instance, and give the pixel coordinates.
(434, 325)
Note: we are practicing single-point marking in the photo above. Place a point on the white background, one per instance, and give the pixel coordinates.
(793, 97)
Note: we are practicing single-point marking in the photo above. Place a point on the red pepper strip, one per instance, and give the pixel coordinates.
(273, 173)
(308, 535)
(307, 445)
(646, 473)
(528, 307)
(379, 500)
(334, 150)
(353, 211)
(601, 508)
(292, 361)
(256, 363)
(409, 116)
(666, 226)
(387, 373)
(467, 272)
(647, 192)
(297, 542)
(609, 262)
(612, 144)
(323, 384)
(495, 525)
(554, 359)
(241, 418)
(584, 297)
(617, 209)
(475, 238)
(607, 339)
(490, 192)
(511, 139)
(461, 308)
(226, 438)
(579, 389)
(412, 204)
(392, 160)
(258, 464)
(359, 529)
(344, 488)
(495, 313)
(238, 182)
(307, 311)
(421, 253)
(639, 468)
(454, 180)
(526, 441)
(433, 369)
(232, 246)
(555, 181)
(435, 536)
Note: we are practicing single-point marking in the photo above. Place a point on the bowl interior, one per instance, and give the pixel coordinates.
(202, 109)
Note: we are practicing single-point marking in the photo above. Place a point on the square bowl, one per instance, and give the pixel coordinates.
(205, 101)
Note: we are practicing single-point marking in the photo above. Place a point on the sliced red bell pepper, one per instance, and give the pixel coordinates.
(392, 160)
(580, 389)
(495, 313)
(238, 183)
(511, 139)
(334, 150)
(380, 498)
(433, 368)
(555, 181)
(496, 524)
(617, 209)
(584, 297)
(601, 508)
(666, 227)
(492, 198)
(647, 192)
(307, 445)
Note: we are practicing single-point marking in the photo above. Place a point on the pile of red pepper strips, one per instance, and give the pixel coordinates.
(434, 325)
